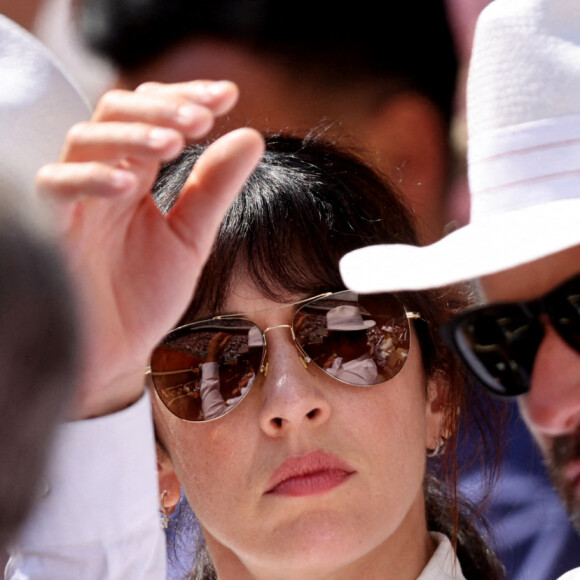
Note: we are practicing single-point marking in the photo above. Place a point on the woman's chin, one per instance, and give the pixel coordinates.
(317, 542)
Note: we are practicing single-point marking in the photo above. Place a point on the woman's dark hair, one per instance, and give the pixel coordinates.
(306, 205)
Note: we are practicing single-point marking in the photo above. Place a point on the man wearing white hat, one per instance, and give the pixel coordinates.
(523, 240)
(352, 362)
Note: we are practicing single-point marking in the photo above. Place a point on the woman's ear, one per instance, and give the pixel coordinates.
(438, 423)
(168, 482)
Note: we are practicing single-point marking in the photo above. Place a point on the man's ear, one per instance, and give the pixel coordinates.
(410, 140)
(168, 482)
(438, 420)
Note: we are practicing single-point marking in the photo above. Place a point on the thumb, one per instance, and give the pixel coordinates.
(217, 177)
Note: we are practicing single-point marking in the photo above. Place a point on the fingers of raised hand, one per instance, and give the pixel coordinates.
(189, 108)
(70, 181)
(218, 96)
(134, 132)
(217, 177)
(112, 141)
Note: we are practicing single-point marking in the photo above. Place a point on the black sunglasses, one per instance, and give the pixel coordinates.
(498, 342)
(202, 370)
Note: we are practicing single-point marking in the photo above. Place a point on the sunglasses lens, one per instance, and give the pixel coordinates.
(360, 340)
(564, 310)
(203, 372)
(499, 344)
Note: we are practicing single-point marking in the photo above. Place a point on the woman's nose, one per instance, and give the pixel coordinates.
(553, 403)
(294, 396)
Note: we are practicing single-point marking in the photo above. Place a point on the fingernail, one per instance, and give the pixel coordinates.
(206, 92)
(218, 87)
(160, 137)
(186, 114)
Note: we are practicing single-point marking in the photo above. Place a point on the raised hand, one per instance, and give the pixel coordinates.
(136, 269)
(217, 345)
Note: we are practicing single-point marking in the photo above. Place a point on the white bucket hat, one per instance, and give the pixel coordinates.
(38, 104)
(523, 114)
(347, 318)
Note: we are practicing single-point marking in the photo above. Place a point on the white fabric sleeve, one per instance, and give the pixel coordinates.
(359, 372)
(334, 369)
(98, 517)
(212, 402)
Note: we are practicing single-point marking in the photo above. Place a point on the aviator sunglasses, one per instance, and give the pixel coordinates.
(499, 342)
(203, 370)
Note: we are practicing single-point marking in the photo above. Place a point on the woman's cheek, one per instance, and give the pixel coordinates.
(211, 459)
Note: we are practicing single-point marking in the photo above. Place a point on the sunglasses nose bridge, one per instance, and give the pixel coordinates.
(303, 359)
(277, 326)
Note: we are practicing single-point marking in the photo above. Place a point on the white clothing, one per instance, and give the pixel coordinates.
(98, 518)
(212, 402)
(444, 564)
(359, 371)
(571, 575)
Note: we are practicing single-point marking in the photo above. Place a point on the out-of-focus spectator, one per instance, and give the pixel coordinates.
(535, 538)
(307, 64)
(524, 495)
(23, 13)
(54, 26)
(39, 335)
(52, 22)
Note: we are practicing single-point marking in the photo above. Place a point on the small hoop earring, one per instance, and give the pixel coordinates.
(165, 511)
(439, 447)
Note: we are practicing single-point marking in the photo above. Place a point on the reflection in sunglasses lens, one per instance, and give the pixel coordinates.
(500, 346)
(358, 340)
(202, 372)
(564, 310)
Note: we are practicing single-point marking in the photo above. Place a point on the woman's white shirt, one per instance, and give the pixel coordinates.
(444, 564)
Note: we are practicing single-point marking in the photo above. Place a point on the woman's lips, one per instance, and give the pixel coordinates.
(310, 474)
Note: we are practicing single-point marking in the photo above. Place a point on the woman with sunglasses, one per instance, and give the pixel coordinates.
(301, 469)
(315, 467)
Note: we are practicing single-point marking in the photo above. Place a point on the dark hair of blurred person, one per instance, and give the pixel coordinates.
(38, 356)
(387, 81)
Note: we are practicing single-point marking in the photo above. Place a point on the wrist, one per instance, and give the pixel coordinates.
(99, 398)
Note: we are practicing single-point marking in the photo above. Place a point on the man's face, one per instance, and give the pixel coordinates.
(552, 407)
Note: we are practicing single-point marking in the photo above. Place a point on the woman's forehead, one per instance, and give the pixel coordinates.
(244, 297)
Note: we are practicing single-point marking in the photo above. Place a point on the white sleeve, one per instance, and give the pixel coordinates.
(98, 517)
(212, 402)
(335, 368)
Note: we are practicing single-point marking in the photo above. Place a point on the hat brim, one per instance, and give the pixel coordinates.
(489, 246)
(350, 327)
